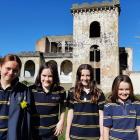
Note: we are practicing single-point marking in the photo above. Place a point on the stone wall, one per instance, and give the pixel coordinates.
(135, 77)
(107, 42)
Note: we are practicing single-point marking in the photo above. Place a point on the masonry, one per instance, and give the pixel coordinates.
(94, 41)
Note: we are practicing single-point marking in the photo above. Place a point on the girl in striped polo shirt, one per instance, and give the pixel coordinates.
(122, 112)
(85, 104)
(48, 106)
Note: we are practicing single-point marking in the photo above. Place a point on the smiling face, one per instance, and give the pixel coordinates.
(123, 91)
(9, 71)
(46, 78)
(85, 78)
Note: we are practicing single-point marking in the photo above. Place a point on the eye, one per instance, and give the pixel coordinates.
(7, 68)
(15, 71)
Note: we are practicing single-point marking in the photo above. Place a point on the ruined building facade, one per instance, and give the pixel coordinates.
(94, 41)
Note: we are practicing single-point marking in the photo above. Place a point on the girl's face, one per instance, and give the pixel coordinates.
(46, 78)
(123, 91)
(9, 71)
(85, 78)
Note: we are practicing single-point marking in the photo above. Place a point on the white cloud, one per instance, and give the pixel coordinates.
(137, 37)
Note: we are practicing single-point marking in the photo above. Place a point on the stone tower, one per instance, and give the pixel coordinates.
(95, 37)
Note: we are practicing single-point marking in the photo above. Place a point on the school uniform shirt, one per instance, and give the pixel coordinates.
(85, 123)
(122, 120)
(46, 109)
(14, 120)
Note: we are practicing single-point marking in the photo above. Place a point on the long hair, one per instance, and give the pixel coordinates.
(115, 87)
(11, 57)
(92, 86)
(54, 71)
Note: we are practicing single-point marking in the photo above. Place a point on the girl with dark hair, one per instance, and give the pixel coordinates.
(49, 104)
(85, 103)
(122, 112)
(14, 97)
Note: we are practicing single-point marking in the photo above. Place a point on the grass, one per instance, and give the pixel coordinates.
(62, 137)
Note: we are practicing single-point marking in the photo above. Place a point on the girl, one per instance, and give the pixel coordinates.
(122, 113)
(49, 101)
(85, 103)
(14, 115)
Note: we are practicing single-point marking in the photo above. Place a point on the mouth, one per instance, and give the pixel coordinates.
(125, 95)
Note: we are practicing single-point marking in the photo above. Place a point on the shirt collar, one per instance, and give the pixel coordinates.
(126, 102)
(13, 84)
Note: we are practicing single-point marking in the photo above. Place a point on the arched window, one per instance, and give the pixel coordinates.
(123, 56)
(53, 62)
(94, 53)
(66, 67)
(68, 46)
(29, 69)
(95, 29)
(96, 75)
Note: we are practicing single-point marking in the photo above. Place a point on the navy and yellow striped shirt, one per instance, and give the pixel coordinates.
(46, 109)
(122, 119)
(4, 111)
(85, 123)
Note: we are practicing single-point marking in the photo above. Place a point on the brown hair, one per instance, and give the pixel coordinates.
(54, 71)
(78, 85)
(11, 57)
(115, 86)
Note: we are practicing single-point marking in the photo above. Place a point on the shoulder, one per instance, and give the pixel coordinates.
(136, 103)
(101, 95)
(110, 105)
(21, 86)
(58, 89)
(99, 92)
(71, 93)
(34, 88)
(71, 90)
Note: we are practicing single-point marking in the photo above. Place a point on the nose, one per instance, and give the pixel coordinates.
(124, 91)
(84, 77)
(11, 71)
(47, 78)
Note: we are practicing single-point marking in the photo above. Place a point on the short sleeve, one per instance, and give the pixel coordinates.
(137, 104)
(62, 99)
(107, 116)
(70, 100)
(101, 101)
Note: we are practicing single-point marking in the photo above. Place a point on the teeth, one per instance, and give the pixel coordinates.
(123, 94)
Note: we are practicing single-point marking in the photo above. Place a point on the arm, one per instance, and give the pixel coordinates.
(138, 118)
(101, 124)
(60, 124)
(101, 103)
(138, 130)
(62, 108)
(69, 122)
(108, 121)
(106, 133)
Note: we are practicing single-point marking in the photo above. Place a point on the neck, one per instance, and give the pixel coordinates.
(46, 89)
(122, 101)
(5, 84)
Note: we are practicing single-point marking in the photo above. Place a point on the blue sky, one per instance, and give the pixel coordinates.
(23, 22)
